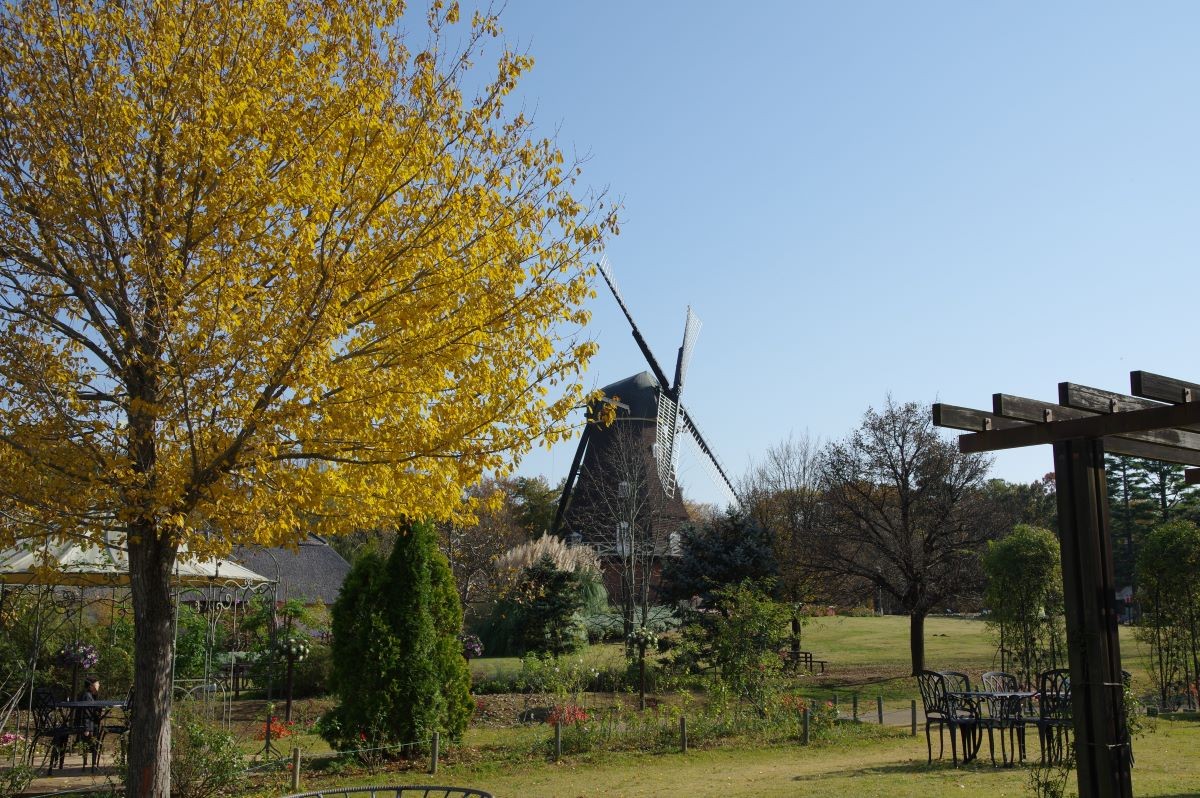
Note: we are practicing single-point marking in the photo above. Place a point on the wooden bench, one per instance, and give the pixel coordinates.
(805, 659)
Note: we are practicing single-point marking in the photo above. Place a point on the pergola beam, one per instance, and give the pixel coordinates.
(1101, 401)
(969, 420)
(1033, 410)
(1162, 389)
(1162, 418)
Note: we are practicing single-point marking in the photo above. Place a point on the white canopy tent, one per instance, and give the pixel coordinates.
(85, 564)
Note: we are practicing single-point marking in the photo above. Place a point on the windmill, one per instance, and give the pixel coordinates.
(649, 410)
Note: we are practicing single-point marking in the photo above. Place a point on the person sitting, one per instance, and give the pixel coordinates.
(88, 720)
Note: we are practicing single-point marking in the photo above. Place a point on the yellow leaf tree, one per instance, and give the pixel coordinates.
(267, 267)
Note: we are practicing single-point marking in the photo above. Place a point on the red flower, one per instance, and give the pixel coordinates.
(568, 713)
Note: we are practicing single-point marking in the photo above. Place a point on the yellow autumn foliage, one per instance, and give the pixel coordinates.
(268, 267)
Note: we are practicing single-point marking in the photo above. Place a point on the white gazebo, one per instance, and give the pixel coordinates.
(86, 565)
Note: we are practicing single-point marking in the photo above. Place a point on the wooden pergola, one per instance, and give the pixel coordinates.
(1158, 420)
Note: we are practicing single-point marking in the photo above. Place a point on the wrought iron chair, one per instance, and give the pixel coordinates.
(943, 710)
(122, 728)
(958, 682)
(1006, 714)
(50, 724)
(1054, 720)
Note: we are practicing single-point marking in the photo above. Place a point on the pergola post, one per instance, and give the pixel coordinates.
(1093, 646)
(1159, 421)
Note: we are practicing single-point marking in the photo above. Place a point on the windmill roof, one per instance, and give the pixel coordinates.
(313, 573)
(639, 392)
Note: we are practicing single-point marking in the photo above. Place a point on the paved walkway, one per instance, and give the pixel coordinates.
(74, 776)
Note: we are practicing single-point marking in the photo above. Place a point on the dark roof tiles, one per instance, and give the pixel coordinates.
(313, 573)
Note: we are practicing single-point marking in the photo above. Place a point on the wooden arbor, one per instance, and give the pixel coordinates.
(1159, 421)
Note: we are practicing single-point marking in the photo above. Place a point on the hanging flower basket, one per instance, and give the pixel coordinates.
(77, 655)
(472, 646)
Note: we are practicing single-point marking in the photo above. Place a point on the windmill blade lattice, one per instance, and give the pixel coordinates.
(666, 442)
(691, 330)
(707, 456)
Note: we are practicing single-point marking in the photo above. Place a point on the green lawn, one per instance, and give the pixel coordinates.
(868, 656)
(871, 656)
(601, 656)
(892, 767)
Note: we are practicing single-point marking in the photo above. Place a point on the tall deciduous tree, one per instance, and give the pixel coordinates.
(264, 267)
(628, 518)
(535, 503)
(782, 493)
(905, 514)
(475, 547)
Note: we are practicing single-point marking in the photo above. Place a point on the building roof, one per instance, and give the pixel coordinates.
(313, 573)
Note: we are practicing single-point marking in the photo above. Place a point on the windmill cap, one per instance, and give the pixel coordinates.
(639, 392)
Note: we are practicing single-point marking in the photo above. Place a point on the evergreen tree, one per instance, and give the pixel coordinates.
(733, 549)
(1141, 494)
(454, 675)
(548, 600)
(398, 669)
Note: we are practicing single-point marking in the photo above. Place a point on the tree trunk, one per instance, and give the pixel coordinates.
(916, 640)
(151, 559)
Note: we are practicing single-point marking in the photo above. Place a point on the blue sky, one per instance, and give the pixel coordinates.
(940, 200)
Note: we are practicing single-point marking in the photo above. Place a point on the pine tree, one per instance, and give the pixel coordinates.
(1141, 494)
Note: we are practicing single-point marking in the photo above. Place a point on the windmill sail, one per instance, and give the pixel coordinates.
(666, 442)
(708, 457)
(691, 329)
(659, 374)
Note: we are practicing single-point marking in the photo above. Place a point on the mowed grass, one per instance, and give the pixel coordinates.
(872, 656)
(893, 767)
(869, 656)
